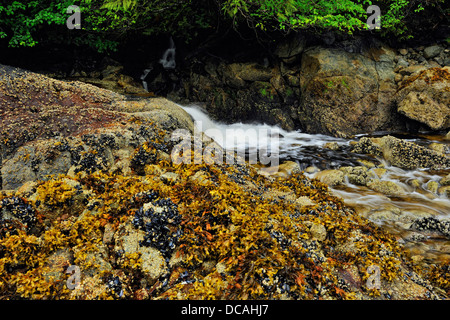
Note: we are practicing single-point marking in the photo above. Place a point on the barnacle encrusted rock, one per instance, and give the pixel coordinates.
(128, 241)
(331, 177)
(389, 188)
(48, 127)
(401, 153)
(432, 224)
(425, 97)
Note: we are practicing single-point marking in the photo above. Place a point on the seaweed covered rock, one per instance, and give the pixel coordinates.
(50, 127)
(129, 245)
(226, 239)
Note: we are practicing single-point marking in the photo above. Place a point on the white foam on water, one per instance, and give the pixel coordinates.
(168, 59)
(251, 136)
(291, 144)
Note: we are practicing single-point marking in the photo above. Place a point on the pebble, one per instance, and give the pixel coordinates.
(318, 232)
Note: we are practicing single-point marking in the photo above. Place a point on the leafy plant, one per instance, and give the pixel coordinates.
(21, 20)
(105, 23)
(345, 16)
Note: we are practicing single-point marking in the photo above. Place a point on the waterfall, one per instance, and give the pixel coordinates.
(167, 61)
(144, 75)
(168, 58)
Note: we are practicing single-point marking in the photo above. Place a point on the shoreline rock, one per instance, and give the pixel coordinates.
(425, 98)
(402, 154)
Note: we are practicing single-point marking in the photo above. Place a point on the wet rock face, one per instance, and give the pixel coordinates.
(244, 91)
(425, 97)
(347, 93)
(341, 89)
(325, 90)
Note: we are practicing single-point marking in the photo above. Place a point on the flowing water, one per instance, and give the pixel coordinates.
(313, 153)
(167, 61)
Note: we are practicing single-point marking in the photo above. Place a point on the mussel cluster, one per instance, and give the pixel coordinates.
(432, 224)
(143, 156)
(278, 283)
(161, 223)
(90, 162)
(18, 208)
(115, 285)
(15, 208)
(145, 197)
(284, 242)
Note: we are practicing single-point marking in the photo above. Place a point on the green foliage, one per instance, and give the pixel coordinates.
(104, 22)
(107, 22)
(20, 20)
(339, 15)
(286, 15)
(123, 5)
(116, 19)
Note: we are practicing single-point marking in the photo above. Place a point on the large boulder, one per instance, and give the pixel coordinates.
(241, 92)
(425, 97)
(51, 127)
(347, 93)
